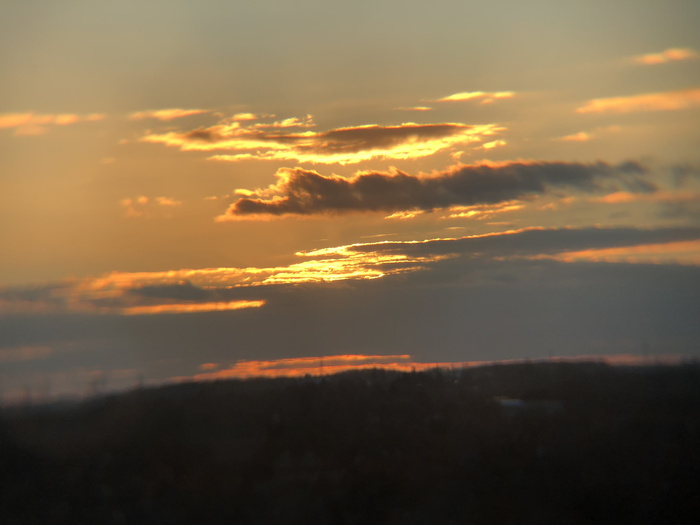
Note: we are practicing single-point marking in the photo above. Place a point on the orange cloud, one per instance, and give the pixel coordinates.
(14, 120)
(166, 114)
(31, 123)
(686, 252)
(289, 141)
(485, 97)
(661, 196)
(181, 308)
(315, 366)
(669, 55)
(667, 101)
(581, 136)
(334, 364)
(168, 201)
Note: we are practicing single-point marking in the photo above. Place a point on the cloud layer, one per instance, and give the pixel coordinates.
(305, 192)
(185, 291)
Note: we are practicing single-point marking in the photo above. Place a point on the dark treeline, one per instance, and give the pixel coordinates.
(574, 443)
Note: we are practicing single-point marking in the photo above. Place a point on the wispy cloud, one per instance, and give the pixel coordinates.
(181, 308)
(666, 101)
(31, 123)
(585, 136)
(415, 108)
(581, 136)
(305, 192)
(166, 114)
(483, 211)
(279, 140)
(686, 252)
(669, 55)
(485, 97)
(146, 207)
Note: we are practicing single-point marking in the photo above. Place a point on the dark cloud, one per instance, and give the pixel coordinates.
(305, 192)
(684, 210)
(682, 174)
(183, 291)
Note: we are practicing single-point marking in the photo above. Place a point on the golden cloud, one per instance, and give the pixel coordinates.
(494, 144)
(483, 211)
(484, 96)
(245, 116)
(667, 101)
(288, 140)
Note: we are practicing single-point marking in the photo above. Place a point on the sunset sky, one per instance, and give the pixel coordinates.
(224, 189)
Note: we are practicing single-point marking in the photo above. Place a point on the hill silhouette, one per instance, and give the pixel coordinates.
(525, 443)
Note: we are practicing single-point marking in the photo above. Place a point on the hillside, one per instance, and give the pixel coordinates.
(528, 443)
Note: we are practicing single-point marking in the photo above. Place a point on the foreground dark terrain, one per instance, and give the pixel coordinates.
(572, 443)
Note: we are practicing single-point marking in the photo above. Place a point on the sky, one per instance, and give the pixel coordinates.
(199, 190)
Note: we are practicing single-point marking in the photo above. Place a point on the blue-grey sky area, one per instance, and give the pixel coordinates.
(192, 190)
